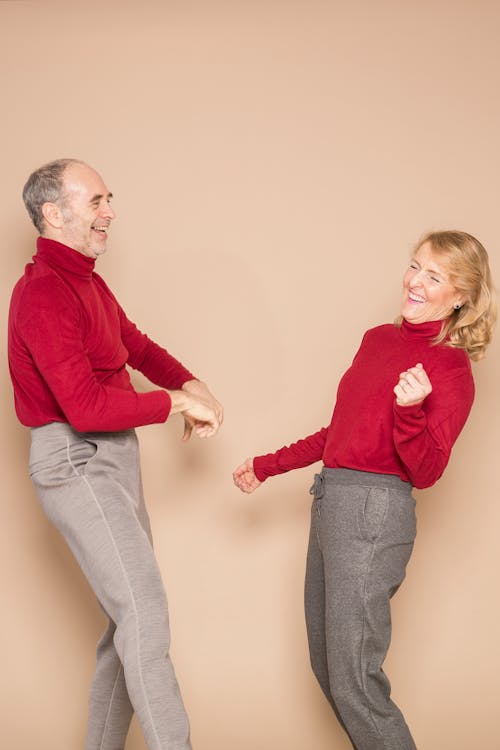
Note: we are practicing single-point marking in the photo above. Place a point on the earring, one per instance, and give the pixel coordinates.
(457, 306)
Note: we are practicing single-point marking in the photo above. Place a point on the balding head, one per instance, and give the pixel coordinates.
(46, 185)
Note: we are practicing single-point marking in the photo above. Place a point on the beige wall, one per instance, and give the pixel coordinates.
(272, 164)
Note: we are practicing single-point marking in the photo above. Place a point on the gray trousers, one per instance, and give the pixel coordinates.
(89, 486)
(362, 532)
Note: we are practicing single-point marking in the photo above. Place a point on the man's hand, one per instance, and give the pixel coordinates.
(244, 477)
(200, 390)
(413, 386)
(198, 415)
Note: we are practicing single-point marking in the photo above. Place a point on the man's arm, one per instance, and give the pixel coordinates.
(50, 326)
(155, 362)
(161, 368)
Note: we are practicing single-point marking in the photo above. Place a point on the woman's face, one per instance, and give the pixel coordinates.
(427, 291)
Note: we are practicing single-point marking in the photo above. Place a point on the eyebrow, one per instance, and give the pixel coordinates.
(97, 197)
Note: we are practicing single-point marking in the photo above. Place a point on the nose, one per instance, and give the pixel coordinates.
(107, 211)
(417, 278)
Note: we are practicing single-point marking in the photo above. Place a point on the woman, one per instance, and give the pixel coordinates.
(400, 407)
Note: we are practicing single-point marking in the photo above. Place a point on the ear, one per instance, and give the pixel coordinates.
(52, 215)
(459, 302)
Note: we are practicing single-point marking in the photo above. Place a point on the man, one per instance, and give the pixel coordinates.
(69, 343)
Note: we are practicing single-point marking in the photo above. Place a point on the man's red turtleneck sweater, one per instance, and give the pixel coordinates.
(369, 431)
(69, 344)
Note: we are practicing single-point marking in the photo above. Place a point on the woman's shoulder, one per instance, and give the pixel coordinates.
(451, 358)
(385, 331)
(449, 368)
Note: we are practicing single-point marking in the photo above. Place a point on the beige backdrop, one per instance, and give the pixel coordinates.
(272, 163)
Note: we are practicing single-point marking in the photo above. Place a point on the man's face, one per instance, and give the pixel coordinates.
(86, 209)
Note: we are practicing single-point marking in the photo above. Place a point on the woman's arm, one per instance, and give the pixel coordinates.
(425, 430)
(253, 472)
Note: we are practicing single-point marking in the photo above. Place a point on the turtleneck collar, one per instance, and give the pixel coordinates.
(428, 330)
(60, 256)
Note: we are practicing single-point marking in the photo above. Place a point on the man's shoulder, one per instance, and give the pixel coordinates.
(99, 281)
(39, 291)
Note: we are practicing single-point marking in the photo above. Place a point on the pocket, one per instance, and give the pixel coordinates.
(80, 453)
(372, 512)
(54, 462)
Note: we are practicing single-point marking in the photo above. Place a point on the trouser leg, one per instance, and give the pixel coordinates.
(90, 488)
(365, 538)
(315, 611)
(110, 710)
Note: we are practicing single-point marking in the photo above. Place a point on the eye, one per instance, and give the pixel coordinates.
(435, 279)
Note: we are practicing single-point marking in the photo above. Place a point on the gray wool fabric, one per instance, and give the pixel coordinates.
(89, 486)
(362, 532)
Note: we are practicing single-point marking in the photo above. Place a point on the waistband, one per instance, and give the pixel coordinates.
(52, 429)
(359, 478)
(63, 429)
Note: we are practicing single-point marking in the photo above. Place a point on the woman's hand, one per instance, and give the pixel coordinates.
(413, 386)
(244, 477)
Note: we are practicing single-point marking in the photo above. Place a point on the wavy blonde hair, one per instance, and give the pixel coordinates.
(466, 263)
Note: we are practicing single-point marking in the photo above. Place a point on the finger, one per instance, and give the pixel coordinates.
(188, 429)
(418, 372)
(245, 466)
(201, 429)
(205, 431)
(419, 376)
(242, 485)
(240, 475)
(399, 393)
(403, 385)
(412, 381)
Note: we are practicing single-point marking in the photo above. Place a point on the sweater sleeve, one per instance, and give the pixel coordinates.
(295, 456)
(51, 330)
(424, 433)
(155, 362)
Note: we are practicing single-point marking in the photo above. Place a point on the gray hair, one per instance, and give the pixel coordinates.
(45, 185)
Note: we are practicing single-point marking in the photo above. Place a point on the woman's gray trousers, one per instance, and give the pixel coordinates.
(362, 532)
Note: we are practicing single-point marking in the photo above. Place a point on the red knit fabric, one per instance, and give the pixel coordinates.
(369, 431)
(69, 342)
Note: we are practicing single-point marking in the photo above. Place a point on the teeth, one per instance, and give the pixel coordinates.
(415, 297)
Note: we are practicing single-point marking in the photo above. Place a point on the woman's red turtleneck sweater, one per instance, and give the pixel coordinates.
(369, 431)
(69, 344)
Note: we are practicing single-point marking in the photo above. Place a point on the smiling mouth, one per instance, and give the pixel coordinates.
(415, 298)
(101, 230)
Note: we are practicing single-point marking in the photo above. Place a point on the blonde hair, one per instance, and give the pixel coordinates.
(466, 263)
